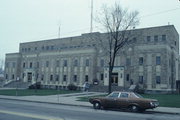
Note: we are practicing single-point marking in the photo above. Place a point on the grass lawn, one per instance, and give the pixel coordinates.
(86, 99)
(40, 92)
(165, 100)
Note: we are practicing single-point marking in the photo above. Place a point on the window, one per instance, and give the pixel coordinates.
(13, 76)
(141, 61)
(158, 79)
(42, 47)
(134, 39)
(65, 63)
(37, 76)
(37, 64)
(22, 49)
(57, 77)
(24, 65)
(105, 75)
(51, 77)
(42, 77)
(148, 38)
(141, 79)
(7, 64)
(52, 47)
(156, 38)
(102, 63)
(75, 63)
(47, 47)
(6, 76)
(158, 60)
(35, 48)
(175, 43)
(29, 49)
(47, 63)
(57, 63)
(121, 75)
(128, 61)
(23, 75)
(75, 78)
(30, 65)
(163, 37)
(102, 76)
(86, 78)
(113, 95)
(64, 78)
(87, 62)
(127, 77)
(14, 64)
(124, 95)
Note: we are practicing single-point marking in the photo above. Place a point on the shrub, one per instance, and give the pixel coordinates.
(72, 87)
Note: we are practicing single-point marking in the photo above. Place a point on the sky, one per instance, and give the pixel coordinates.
(34, 20)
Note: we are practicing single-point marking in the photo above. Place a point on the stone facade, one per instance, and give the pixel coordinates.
(151, 59)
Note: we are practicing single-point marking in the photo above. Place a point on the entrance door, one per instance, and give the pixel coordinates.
(29, 77)
(114, 79)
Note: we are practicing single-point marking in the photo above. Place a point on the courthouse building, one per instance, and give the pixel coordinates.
(150, 59)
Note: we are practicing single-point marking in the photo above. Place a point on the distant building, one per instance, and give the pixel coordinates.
(151, 59)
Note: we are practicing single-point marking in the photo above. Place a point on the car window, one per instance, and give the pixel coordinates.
(124, 95)
(113, 95)
(137, 95)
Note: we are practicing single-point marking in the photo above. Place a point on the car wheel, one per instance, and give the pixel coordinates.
(96, 105)
(134, 108)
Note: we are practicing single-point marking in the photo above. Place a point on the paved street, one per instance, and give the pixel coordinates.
(71, 99)
(20, 110)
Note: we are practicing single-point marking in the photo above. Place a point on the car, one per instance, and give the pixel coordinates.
(129, 100)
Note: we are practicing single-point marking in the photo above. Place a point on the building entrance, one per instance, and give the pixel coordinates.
(114, 80)
(29, 76)
(117, 76)
(178, 86)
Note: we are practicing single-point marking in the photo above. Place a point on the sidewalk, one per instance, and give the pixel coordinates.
(71, 99)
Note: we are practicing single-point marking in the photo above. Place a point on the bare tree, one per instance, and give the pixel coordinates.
(118, 23)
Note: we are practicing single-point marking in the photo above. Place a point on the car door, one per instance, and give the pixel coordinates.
(111, 100)
(123, 100)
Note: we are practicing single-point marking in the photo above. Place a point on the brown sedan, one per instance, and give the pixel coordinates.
(129, 100)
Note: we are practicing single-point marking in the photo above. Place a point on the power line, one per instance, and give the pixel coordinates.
(148, 15)
(157, 13)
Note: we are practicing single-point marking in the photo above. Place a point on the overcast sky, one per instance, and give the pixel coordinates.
(33, 20)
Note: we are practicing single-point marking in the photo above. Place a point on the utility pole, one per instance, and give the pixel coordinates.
(91, 24)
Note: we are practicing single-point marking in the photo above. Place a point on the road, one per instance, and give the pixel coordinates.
(20, 110)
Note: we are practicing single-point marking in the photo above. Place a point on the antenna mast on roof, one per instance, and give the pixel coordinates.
(91, 29)
(59, 31)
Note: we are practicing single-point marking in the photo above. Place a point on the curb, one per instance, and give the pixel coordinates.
(46, 102)
(85, 106)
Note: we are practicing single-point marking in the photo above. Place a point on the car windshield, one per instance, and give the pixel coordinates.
(138, 95)
(113, 95)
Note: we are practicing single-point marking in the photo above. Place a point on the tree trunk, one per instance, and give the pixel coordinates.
(110, 77)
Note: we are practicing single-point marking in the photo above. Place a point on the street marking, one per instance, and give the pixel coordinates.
(29, 115)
